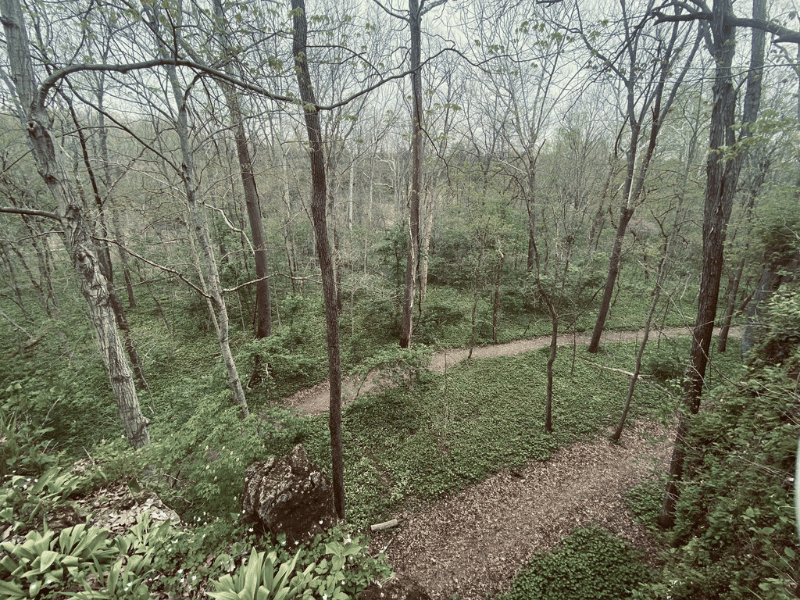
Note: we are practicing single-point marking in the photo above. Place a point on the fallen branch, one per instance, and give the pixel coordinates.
(384, 526)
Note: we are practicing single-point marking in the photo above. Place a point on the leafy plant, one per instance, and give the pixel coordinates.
(24, 442)
(258, 579)
(735, 535)
(590, 563)
(45, 562)
(28, 500)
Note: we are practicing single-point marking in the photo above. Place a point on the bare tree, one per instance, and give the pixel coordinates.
(52, 161)
(416, 10)
(318, 203)
(644, 64)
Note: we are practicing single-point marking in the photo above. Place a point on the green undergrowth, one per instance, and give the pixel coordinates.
(447, 430)
(590, 563)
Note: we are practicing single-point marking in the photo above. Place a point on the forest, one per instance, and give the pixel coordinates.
(470, 254)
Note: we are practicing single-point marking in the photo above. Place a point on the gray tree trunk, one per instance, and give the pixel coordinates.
(51, 162)
(415, 25)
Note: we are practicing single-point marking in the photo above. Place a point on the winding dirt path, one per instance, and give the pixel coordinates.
(475, 542)
(315, 400)
(471, 545)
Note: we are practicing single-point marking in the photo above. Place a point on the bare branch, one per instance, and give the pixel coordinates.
(29, 211)
(178, 274)
(390, 13)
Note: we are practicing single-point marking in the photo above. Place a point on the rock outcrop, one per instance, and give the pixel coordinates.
(290, 496)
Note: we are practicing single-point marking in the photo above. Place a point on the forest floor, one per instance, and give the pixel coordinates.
(473, 544)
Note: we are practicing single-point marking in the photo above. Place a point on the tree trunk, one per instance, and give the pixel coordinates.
(263, 326)
(613, 271)
(198, 222)
(51, 163)
(104, 256)
(755, 186)
(415, 26)
(722, 177)
(496, 306)
(318, 200)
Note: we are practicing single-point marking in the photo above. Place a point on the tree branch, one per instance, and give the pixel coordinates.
(29, 211)
(178, 274)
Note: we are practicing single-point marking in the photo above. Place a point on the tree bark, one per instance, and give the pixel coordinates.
(51, 163)
(415, 26)
(722, 177)
(318, 201)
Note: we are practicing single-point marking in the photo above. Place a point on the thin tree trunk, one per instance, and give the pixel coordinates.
(415, 26)
(634, 181)
(733, 290)
(660, 277)
(496, 306)
(199, 226)
(319, 197)
(263, 308)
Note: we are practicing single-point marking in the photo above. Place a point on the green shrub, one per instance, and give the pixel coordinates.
(645, 500)
(735, 535)
(667, 362)
(590, 563)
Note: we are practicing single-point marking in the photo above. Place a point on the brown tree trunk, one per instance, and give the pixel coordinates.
(51, 163)
(263, 326)
(318, 200)
(722, 177)
(733, 288)
(415, 26)
(496, 306)
(611, 279)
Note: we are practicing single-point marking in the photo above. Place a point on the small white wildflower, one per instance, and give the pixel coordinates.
(250, 530)
(180, 571)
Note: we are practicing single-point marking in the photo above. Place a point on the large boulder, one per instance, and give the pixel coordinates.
(400, 587)
(289, 495)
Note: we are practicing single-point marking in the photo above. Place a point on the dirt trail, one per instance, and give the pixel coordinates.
(315, 400)
(475, 542)
(471, 545)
